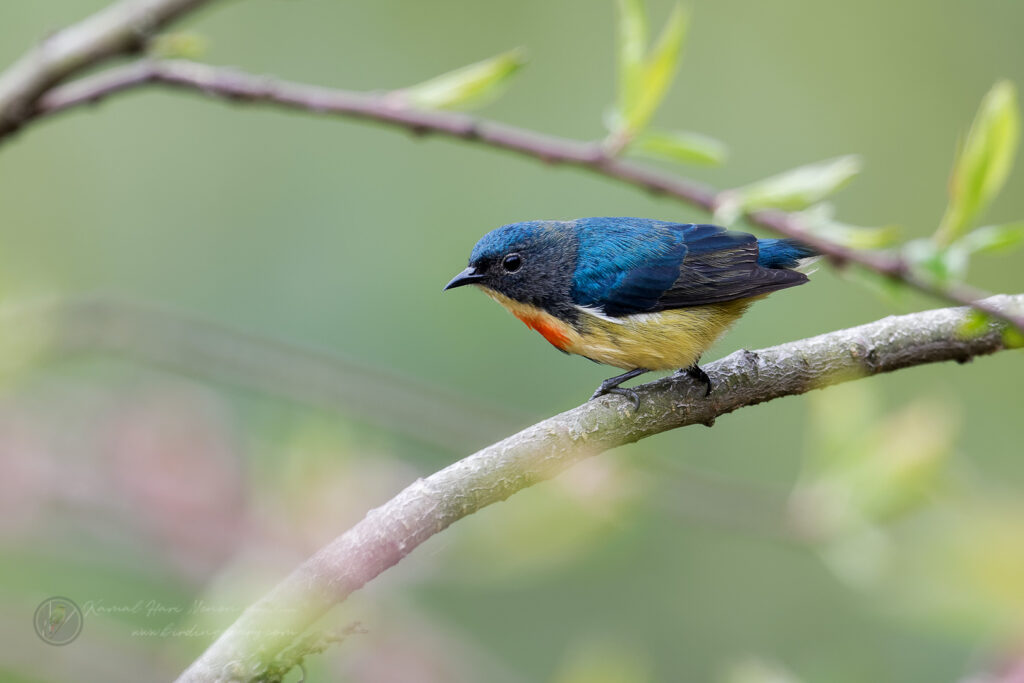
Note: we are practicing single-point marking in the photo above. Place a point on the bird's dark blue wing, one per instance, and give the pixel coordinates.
(624, 265)
(628, 266)
(721, 265)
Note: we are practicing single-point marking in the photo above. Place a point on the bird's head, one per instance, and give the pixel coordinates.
(531, 263)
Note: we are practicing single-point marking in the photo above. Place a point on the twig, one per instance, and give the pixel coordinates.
(121, 28)
(388, 108)
(389, 533)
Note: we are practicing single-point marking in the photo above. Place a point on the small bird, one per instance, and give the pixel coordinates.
(633, 293)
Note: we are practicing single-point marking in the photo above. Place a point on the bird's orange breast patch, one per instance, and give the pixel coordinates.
(547, 325)
(559, 334)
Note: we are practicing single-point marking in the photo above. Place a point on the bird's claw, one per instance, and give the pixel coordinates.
(696, 373)
(633, 397)
(611, 386)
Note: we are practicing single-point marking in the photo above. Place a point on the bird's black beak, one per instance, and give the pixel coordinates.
(466, 277)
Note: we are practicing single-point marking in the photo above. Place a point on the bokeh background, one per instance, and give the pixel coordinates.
(225, 340)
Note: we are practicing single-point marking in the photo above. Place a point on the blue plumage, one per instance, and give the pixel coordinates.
(782, 253)
(628, 261)
(505, 238)
(636, 265)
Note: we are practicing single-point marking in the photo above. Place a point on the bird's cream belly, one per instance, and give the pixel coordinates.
(666, 340)
(656, 341)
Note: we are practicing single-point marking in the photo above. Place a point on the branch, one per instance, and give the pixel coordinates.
(121, 28)
(205, 348)
(389, 533)
(390, 109)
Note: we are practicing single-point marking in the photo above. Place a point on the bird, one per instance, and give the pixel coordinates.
(638, 294)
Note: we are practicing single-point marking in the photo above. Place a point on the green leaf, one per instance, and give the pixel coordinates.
(993, 239)
(859, 237)
(941, 264)
(686, 147)
(975, 324)
(644, 79)
(983, 161)
(949, 263)
(1013, 338)
(659, 71)
(632, 49)
(470, 86)
(799, 188)
(819, 219)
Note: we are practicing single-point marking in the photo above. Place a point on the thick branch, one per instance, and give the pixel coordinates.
(120, 28)
(389, 108)
(389, 533)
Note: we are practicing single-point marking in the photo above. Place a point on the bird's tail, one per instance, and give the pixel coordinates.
(785, 253)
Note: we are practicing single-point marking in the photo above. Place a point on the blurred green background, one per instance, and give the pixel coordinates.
(897, 557)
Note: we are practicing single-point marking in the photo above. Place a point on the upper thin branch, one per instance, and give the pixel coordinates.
(388, 108)
(389, 533)
(121, 28)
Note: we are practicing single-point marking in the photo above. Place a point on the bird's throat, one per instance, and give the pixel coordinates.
(558, 333)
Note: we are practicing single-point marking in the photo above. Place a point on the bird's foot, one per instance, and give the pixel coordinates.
(697, 374)
(633, 397)
(611, 386)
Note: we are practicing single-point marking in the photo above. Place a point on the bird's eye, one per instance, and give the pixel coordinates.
(512, 263)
